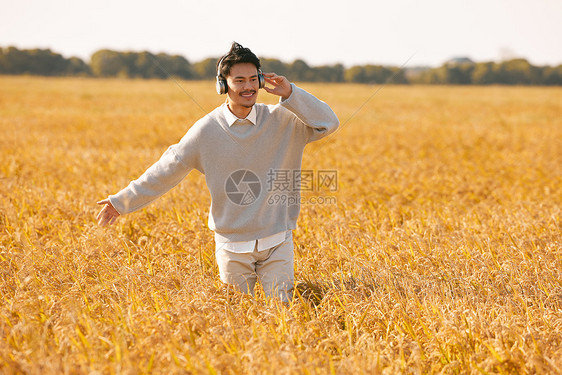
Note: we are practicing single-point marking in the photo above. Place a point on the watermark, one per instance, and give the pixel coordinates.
(291, 200)
(283, 187)
(302, 180)
(243, 187)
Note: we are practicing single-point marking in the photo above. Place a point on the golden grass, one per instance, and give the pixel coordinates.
(443, 253)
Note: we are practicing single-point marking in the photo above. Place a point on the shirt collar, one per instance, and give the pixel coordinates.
(231, 117)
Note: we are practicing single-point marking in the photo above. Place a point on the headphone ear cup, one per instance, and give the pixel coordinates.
(261, 80)
(221, 86)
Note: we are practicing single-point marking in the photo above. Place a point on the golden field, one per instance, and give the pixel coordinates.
(443, 253)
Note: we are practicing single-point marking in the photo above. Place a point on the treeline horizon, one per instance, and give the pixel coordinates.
(107, 63)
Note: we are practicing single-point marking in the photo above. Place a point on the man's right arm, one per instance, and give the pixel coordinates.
(157, 180)
(167, 172)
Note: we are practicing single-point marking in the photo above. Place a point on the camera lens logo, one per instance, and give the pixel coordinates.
(243, 187)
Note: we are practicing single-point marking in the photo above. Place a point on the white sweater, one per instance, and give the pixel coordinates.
(238, 164)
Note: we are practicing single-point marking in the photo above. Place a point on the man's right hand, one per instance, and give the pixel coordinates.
(108, 213)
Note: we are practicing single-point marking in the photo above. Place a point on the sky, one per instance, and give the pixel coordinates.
(350, 32)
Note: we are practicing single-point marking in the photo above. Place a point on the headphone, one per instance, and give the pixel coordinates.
(221, 85)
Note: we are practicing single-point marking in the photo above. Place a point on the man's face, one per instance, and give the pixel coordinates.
(243, 85)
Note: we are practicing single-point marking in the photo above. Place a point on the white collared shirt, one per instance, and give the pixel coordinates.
(231, 118)
(249, 246)
(261, 243)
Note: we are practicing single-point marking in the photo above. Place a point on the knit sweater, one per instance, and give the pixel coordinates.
(238, 163)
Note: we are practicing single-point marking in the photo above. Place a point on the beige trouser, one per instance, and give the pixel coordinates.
(273, 267)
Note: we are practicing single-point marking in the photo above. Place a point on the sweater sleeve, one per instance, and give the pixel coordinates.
(167, 172)
(316, 115)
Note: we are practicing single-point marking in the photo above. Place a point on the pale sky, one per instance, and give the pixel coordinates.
(318, 31)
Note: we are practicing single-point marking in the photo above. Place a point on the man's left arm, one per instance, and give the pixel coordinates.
(314, 113)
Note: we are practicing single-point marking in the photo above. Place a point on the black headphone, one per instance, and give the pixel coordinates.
(221, 85)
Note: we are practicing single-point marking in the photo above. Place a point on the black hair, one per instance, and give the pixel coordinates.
(236, 55)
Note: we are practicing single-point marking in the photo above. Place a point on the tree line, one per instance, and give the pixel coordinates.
(109, 63)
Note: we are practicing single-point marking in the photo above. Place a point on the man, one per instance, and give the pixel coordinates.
(238, 147)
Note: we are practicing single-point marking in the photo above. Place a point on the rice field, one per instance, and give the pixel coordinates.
(439, 252)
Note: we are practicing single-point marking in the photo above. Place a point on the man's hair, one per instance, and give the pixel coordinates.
(236, 55)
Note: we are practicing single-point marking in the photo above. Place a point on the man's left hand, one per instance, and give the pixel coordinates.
(281, 85)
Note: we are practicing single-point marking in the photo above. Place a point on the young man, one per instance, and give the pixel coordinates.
(239, 147)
